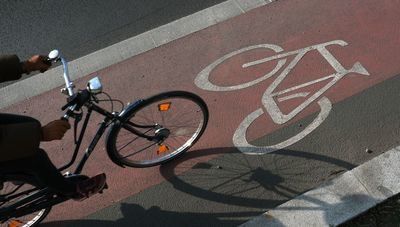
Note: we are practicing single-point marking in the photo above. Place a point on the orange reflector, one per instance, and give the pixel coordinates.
(164, 106)
(162, 149)
(15, 223)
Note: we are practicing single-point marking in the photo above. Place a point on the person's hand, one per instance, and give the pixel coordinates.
(55, 130)
(36, 62)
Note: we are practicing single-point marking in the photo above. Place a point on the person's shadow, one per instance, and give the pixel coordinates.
(233, 181)
(136, 215)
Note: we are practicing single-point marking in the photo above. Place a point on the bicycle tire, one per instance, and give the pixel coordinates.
(180, 105)
(19, 184)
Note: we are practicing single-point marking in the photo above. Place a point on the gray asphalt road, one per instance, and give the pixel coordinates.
(81, 27)
(235, 187)
(78, 27)
(232, 188)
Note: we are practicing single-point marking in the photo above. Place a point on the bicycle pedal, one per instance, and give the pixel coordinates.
(104, 188)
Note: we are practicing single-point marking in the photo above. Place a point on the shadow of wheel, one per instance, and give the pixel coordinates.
(227, 176)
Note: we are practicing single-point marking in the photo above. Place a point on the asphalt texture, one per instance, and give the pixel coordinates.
(384, 214)
(78, 28)
(214, 184)
(234, 187)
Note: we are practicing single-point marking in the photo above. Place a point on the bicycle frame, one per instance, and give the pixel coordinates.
(39, 199)
(41, 194)
(109, 118)
(45, 197)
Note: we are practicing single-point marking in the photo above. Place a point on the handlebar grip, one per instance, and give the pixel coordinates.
(47, 61)
(78, 99)
(70, 103)
(69, 113)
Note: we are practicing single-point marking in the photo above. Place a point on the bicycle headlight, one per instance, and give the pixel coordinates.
(94, 86)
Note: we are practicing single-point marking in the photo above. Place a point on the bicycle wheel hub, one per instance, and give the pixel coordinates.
(161, 134)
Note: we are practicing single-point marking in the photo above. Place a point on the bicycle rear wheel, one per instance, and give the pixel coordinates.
(173, 122)
(13, 188)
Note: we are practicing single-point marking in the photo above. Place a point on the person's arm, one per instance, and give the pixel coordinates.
(54, 130)
(11, 68)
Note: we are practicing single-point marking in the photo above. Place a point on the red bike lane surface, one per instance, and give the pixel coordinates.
(370, 28)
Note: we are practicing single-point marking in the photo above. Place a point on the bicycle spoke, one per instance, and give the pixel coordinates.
(120, 149)
(15, 198)
(137, 137)
(180, 118)
(139, 151)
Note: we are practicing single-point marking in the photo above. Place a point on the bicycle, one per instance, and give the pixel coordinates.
(138, 136)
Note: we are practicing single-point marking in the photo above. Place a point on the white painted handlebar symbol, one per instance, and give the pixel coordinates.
(268, 98)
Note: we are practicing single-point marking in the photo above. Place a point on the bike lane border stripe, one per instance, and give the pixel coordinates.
(341, 199)
(128, 48)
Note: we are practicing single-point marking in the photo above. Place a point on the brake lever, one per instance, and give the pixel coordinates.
(73, 101)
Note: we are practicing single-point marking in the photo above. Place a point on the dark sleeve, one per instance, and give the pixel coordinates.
(10, 68)
(19, 136)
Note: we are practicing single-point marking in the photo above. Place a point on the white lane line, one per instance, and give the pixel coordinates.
(126, 49)
(341, 199)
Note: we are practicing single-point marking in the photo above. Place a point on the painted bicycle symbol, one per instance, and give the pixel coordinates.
(271, 96)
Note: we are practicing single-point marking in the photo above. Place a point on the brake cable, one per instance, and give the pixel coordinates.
(77, 118)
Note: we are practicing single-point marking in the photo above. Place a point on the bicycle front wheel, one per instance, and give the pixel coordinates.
(158, 129)
(12, 189)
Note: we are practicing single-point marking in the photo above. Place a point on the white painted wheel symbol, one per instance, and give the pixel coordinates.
(240, 141)
(271, 96)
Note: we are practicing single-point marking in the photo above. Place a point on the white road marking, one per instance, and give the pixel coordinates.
(126, 49)
(202, 80)
(241, 143)
(268, 99)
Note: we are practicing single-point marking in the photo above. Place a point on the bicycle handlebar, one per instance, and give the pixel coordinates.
(77, 100)
(55, 56)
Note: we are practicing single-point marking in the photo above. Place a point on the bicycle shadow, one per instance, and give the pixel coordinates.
(251, 184)
(136, 215)
(254, 181)
(272, 178)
